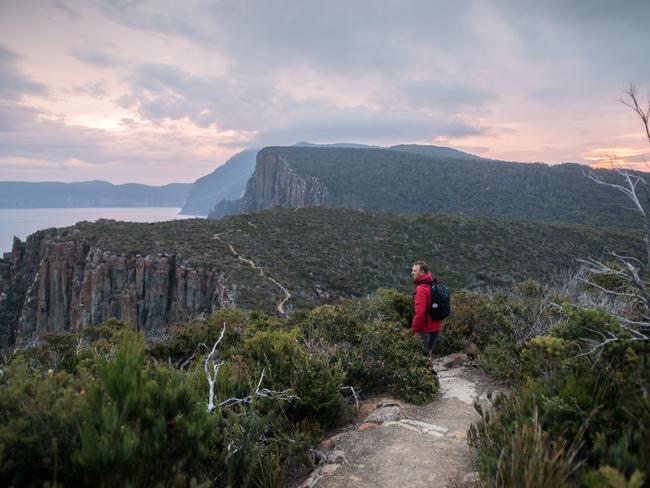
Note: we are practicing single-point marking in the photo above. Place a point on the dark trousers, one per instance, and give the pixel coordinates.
(428, 342)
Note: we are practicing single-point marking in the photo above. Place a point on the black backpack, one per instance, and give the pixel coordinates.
(440, 301)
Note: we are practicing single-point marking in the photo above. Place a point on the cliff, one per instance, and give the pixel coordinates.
(69, 285)
(153, 275)
(276, 183)
(411, 179)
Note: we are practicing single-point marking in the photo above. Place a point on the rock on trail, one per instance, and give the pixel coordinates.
(401, 445)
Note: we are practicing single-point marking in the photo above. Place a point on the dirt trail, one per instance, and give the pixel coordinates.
(287, 293)
(426, 447)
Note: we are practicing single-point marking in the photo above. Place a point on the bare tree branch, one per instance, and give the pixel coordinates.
(212, 377)
(285, 395)
(632, 101)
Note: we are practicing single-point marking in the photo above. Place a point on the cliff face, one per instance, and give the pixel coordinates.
(276, 183)
(47, 285)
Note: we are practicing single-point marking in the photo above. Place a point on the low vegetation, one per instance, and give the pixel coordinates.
(324, 254)
(107, 407)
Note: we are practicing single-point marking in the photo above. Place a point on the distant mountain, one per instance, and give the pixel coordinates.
(436, 151)
(227, 182)
(19, 194)
(417, 179)
(218, 193)
(348, 145)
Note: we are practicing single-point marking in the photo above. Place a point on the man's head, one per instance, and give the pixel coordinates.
(418, 269)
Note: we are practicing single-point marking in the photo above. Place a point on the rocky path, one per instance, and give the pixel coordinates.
(249, 262)
(401, 445)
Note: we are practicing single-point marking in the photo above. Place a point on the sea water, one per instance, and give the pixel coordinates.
(24, 221)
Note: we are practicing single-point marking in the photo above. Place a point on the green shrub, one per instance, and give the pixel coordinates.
(376, 351)
(599, 403)
(107, 407)
(39, 415)
(140, 427)
(522, 454)
(475, 318)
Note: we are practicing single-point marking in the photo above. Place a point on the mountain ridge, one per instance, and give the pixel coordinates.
(95, 193)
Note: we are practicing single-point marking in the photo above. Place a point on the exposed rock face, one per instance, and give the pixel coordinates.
(70, 285)
(276, 183)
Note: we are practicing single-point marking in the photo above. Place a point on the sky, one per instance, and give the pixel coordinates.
(165, 91)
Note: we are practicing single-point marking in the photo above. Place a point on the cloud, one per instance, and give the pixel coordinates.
(137, 151)
(599, 40)
(96, 89)
(159, 91)
(13, 83)
(444, 96)
(341, 36)
(92, 56)
(164, 92)
(359, 124)
(159, 81)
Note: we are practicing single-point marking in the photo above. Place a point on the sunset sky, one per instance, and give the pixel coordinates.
(164, 91)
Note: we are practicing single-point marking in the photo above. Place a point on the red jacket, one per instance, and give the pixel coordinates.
(422, 321)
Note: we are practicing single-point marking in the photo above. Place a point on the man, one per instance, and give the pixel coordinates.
(423, 324)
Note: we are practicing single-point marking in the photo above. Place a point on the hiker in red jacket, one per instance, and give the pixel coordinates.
(423, 324)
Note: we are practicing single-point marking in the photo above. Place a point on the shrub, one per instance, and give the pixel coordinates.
(475, 318)
(522, 454)
(376, 352)
(39, 415)
(598, 404)
(140, 427)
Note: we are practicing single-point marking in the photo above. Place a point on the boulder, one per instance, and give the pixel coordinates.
(384, 414)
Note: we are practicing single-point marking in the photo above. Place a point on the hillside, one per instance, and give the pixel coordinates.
(156, 274)
(227, 182)
(412, 180)
(19, 194)
(218, 194)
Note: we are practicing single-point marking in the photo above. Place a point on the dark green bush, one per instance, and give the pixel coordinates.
(140, 427)
(39, 416)
(376, 351)
(108, 407)
(596, 405)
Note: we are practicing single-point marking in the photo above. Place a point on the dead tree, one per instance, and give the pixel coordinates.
(211, 367)
(633, 273)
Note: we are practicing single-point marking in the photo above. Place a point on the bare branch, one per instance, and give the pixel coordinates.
(285, 395)
(632, 101)
(212, 377)
(629, 189)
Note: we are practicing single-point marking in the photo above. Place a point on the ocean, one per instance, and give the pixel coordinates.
(24, 221)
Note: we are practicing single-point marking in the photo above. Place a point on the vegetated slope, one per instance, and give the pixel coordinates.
(227, 182)
(19, 194)
(158, 273)
(405, 182)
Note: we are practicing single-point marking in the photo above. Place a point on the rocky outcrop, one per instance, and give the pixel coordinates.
(276, 183)
(70, 285)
